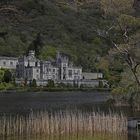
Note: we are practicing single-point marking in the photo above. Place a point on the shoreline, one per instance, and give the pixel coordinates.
(20, 90)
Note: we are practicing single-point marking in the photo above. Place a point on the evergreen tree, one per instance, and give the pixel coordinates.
(33, 83)
(7, 76)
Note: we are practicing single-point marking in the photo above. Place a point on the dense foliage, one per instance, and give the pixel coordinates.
(45, 24)
(124, 33)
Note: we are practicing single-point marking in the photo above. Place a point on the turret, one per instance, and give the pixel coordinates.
(62, 63)
(31, 53)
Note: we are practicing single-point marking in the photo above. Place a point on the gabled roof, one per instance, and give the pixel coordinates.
(8, 58)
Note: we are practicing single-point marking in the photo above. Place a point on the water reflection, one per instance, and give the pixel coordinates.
(62, 137)
(96, 137)
(133, 134)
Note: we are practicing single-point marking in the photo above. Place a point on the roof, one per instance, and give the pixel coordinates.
(45, 62)
(8, 58)
(92, 75)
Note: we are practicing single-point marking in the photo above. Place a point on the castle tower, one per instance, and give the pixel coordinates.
(62, 64)
(31, 53)
(64, 68)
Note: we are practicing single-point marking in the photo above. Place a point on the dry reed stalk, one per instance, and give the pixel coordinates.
(63, 124)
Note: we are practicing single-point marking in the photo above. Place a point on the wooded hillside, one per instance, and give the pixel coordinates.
(76, 28)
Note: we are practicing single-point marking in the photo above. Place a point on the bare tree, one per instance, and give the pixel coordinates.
(128, 44)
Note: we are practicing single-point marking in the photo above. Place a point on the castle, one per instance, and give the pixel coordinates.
(61, 70)
(29, 67)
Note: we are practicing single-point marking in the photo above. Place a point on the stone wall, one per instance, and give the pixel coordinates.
(80, 83)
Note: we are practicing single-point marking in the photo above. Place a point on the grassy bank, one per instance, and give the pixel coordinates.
(67, 89)
(47, 89)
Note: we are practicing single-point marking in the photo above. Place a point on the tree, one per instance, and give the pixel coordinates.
(36, 44)
(1, 74)
(7, 76)
(124, 32)
(103, 64)
(51, 84)
(113, 8)
(48, 52)
(33, 83)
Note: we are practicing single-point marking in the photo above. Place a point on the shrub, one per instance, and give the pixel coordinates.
(33, 83)
(1, 75)
(6, 86)
(69, 85)
(50, 84)
(2, 86)
(101, 85)
(75, 84)
(7, 76)
(61, 85)
(82, 86)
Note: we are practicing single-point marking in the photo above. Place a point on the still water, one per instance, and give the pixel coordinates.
(25, 103)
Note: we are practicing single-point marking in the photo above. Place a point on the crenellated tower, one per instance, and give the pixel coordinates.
(62, 63)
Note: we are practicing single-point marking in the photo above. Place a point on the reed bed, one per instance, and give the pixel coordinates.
(62, 124)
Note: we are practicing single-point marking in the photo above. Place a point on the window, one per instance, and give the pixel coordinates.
(75, 77)
(53, 70)
(70, 73)
(64, 77)
(37, 76)
(37, 70)
(78, 71)
(36, 64)
(64, 69)
(4, 63)
(64, 65)
(11, 63)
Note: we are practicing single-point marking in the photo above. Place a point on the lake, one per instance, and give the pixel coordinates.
(86, 102)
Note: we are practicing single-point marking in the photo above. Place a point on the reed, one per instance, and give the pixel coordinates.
(62, 124)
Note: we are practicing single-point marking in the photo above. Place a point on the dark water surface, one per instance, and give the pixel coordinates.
(24, 103)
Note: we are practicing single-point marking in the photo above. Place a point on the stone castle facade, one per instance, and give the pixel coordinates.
(29, 67)
(8, 62)
(60, 70)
